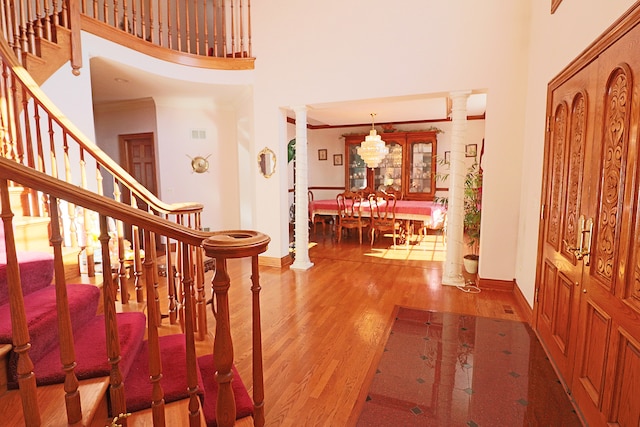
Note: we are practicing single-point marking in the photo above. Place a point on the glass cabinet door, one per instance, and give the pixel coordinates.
(389, 172)
(421, 161)
(356, 169)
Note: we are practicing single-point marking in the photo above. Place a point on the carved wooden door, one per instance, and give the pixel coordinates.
(568, 189)
(606, 379)
(588, 299)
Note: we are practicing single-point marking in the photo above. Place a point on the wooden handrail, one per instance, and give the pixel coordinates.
(119, 211)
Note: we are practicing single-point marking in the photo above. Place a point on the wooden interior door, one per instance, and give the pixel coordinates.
(588, 308)
(606, 379)
(137, 154)
(568, 192)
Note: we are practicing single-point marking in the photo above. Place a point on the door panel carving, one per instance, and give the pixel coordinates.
(614, 152)
(562, 315)
(557, 177)
(547, 294)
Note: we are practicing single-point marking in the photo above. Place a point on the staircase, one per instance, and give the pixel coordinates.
(92, 366)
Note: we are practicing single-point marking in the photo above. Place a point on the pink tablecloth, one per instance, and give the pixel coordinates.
(417, 210)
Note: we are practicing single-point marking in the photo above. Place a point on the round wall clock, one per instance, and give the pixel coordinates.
(200, 164)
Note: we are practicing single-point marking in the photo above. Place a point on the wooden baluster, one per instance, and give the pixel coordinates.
(169, 27)
(116, 389)
(88, 243)
(143, 27)
(154, 260)
(65, 13)
(241, 32)
(52, 147)
(258, 374)
(41, 205)
(115, 13)
(95, 9)
(178, 34)
(233, 30)
(134, 25)
(105, 11)
(125, 17)
(180, 294)
(122, 268)
(171, 285)
(29, 31)
(187, 27)
(160, 39)
(201, 303)
(224, 29)
(149, 35)
(34, 207)
(24, 41)
(249, 28)
(21, 338)
(155, 365)
(196, 28)
(192, 374)
(17, 130)
(71, 208)
(216, 14)
(45, 30)
(65, 332)
(137, 264)
(205, 27)
(222, 346)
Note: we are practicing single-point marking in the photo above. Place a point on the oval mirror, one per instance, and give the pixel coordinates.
(267, 162)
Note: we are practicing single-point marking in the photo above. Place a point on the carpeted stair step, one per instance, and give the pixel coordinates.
(138, 388)
(36, 271)
(91, 350)
(40, 309)
(244, 404)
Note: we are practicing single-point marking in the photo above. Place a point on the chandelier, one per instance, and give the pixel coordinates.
(372, 149)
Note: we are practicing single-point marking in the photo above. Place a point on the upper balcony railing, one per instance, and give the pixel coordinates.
(214, 29)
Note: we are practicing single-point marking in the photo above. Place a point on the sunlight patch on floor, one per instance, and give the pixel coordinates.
(424, 248)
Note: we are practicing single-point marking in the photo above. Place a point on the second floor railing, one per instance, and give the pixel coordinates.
(213, 29)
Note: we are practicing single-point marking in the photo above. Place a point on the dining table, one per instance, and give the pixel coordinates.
(426, 211)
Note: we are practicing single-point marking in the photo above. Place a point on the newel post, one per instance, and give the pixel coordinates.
(76, 44)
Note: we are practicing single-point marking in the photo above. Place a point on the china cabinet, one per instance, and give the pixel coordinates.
(409, 167)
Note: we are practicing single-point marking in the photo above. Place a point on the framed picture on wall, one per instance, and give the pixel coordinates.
(322, 154)
(337, 160)
(471, 150)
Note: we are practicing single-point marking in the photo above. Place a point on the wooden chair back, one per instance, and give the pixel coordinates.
(382, 206)
(349, 212)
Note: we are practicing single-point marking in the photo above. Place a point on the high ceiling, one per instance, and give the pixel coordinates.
(112, 81)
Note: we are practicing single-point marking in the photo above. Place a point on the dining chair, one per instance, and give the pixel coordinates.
(383, 215)
(318, 219)
(365, 192)
(390, 189)
(349, 213)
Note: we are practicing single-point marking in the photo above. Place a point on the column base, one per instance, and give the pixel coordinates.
(455, 280)
(301, 265)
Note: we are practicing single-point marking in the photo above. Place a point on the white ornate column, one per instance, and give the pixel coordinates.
(452, 274)
(301, 196)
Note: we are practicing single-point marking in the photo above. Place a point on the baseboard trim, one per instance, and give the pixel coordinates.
(523, 305)
(275, 262)
(496, 285)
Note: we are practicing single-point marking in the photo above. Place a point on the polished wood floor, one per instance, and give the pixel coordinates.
(322, 329)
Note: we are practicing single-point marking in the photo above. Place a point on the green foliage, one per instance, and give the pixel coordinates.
(291, 150)
(472, 201)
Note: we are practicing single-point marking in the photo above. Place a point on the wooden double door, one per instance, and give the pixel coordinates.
(587, 304)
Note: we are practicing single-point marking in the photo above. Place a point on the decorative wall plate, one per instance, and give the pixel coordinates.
(200, 164)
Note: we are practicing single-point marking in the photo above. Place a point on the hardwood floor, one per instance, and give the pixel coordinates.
(323, 328)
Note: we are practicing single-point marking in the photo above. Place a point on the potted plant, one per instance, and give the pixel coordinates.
(472, 214)
(472, 205)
